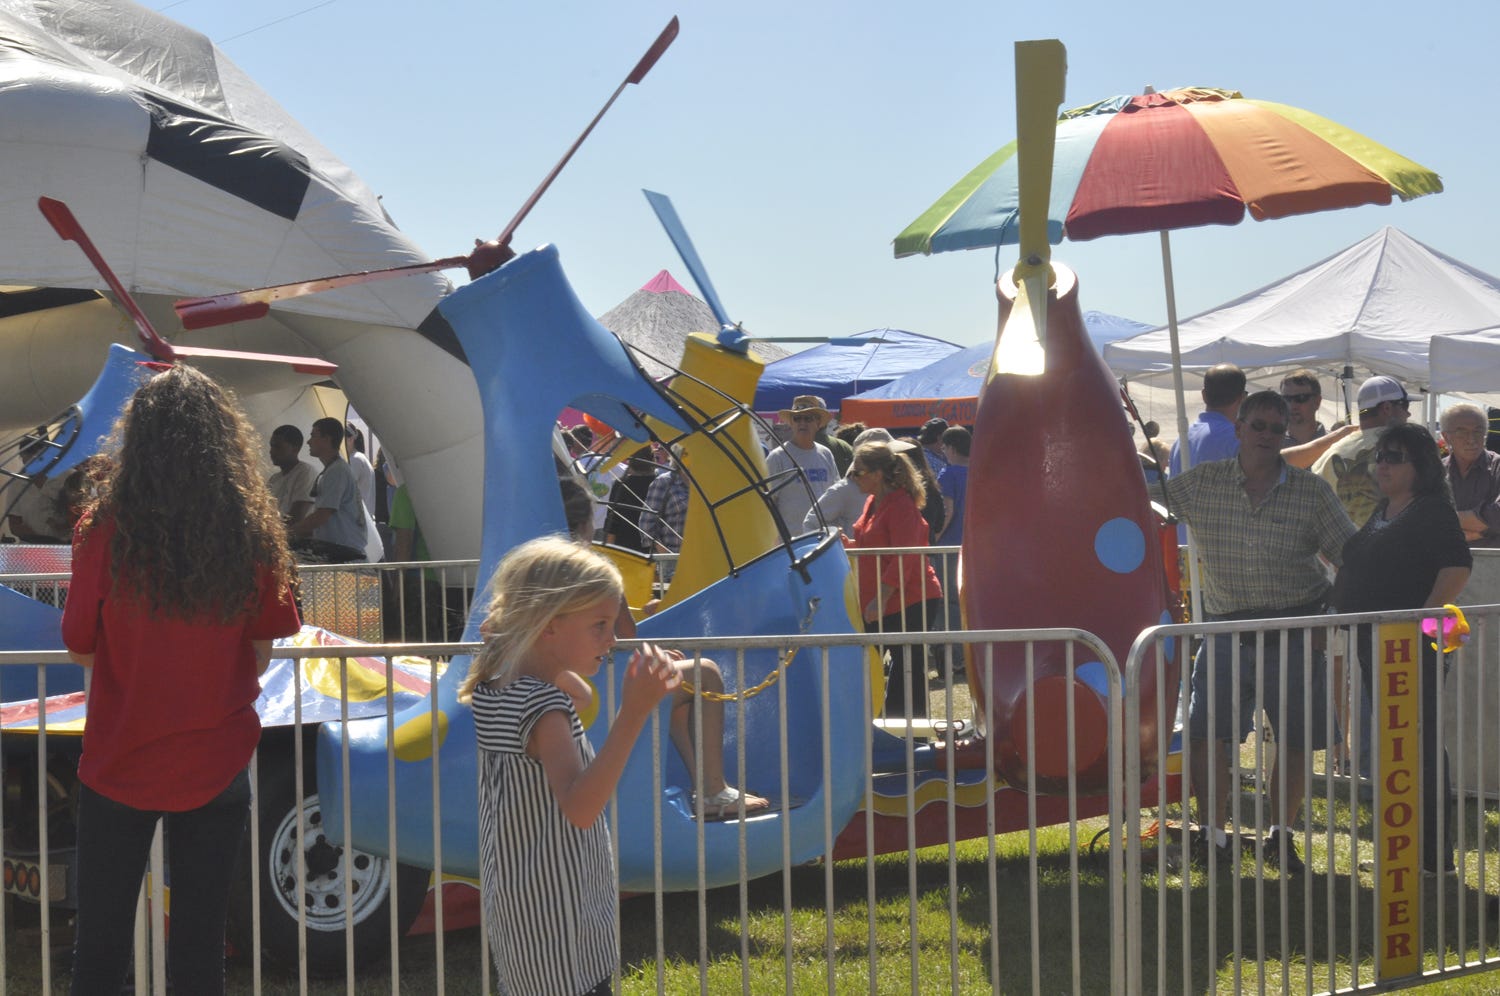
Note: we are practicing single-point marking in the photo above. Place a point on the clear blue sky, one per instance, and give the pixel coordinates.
(797, 139)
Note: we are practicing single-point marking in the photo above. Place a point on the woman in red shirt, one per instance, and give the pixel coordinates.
(897, 594)
(181, 579)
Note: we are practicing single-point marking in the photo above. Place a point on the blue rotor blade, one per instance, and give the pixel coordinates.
(667, 215)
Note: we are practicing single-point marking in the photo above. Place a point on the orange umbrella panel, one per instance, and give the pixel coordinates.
(1176, 159)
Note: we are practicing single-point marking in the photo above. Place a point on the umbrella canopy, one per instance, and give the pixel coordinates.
(1176, 159)
(833, 371)
(949, 388)
(658, 318)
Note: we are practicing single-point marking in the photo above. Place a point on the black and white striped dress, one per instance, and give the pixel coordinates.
(549, 892)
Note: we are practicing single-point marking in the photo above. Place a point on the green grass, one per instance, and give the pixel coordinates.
(953, 952)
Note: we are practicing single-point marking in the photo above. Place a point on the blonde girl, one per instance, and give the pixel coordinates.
(546, 868)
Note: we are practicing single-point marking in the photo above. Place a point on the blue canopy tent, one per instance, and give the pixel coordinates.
(833, 371)
(949, 388)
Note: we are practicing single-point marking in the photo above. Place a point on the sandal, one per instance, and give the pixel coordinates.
(725, 805)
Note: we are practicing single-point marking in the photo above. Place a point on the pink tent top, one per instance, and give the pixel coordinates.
(663, 282)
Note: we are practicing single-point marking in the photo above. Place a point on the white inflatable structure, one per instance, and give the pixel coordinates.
(192, 181)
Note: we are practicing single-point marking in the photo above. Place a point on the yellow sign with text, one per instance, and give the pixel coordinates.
(1398, 824)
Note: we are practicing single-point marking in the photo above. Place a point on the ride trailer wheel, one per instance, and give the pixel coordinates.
(321, 892)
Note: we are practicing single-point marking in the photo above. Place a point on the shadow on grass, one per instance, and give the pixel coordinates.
(1315, 931)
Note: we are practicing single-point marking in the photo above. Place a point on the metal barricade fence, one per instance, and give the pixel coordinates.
(415, 602)
(984, 915)
(412, 602)
(995, 914)
(1363, 916)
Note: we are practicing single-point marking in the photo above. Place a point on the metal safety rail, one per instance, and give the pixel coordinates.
(1031, 910)
(992, 928)
(1363, 916)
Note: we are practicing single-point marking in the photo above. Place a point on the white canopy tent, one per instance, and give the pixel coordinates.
(1374, 307)
(1466, 364)
(193, 181)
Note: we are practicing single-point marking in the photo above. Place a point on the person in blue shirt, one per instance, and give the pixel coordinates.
(953, 481)
(931, 438)
(1212, 436)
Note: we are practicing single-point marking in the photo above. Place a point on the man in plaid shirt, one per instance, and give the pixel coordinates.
(666, 510)
(1261, 526)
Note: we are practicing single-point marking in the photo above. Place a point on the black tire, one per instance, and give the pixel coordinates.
(324, 877)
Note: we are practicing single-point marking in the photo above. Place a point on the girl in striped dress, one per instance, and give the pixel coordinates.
(546, 868)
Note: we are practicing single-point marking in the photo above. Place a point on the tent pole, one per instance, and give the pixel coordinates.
(1194, 582)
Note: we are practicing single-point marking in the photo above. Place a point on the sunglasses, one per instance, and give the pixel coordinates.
(857, 472)
(1467, 433)
(1390, 456)
(804, 418)
(1298, 399)
(1261, 425)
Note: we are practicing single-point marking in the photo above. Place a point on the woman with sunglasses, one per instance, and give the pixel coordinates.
(897, 594)
(1410, 554)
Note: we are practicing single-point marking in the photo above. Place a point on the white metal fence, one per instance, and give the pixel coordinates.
(1200, 920)
(1014, 896)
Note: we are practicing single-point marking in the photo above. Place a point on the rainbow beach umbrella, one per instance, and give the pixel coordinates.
(1174, 159)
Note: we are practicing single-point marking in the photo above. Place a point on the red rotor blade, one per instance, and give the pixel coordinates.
(61, 218)
(300, 364)
(240, 306)
(206, 312)
(663, 40)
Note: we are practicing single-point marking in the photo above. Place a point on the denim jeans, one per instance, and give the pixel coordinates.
(114, 843)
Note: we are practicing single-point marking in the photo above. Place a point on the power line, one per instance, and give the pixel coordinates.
(268, 24)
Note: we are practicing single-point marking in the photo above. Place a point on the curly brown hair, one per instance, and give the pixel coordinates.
(193, 518)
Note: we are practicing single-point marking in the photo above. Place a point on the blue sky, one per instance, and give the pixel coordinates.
(797, 139)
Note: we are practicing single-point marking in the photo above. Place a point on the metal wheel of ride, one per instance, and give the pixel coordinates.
(321, 892)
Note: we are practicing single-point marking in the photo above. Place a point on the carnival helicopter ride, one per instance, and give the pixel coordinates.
(533, 349)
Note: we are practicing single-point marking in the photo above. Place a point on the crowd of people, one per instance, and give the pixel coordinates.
(1290, 519)
(879, 491)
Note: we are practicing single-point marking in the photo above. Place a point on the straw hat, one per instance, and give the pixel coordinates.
(804, 403)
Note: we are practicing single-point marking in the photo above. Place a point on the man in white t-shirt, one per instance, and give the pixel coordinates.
(599, 471)
(359, 464)
(292, 482)
(804, 454)
(843, 502)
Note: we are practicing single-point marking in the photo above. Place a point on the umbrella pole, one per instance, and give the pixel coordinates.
(1194, 582)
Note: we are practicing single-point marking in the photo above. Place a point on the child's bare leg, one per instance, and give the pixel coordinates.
(705, 677)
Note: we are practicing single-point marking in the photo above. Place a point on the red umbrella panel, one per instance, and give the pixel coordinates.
(1175, 159)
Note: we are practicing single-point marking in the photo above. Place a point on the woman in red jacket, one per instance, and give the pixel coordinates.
(897, 594)
(181, 579)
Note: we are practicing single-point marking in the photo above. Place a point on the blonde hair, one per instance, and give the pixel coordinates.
(536, 582)
(895, 468)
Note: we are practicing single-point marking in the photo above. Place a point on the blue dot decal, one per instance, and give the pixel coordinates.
(1095, 675)
(1120, 545)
